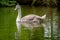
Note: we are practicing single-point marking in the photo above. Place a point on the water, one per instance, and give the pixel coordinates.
(52, 24)
(51, 29)
(50, 32)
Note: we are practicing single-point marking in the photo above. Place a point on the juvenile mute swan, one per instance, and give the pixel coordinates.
(29, 21)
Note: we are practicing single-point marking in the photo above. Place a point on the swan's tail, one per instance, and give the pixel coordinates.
(43, 17)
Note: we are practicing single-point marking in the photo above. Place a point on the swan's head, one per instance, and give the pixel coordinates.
(17, 7)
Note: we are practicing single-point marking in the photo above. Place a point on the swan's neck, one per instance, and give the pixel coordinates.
(19, 13)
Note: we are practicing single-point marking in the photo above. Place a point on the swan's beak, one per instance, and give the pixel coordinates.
(15, 9)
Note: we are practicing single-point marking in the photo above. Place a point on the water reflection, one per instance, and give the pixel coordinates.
(52, 25)
(47, 29)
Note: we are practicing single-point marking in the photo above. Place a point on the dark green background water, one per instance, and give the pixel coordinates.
(8, 23)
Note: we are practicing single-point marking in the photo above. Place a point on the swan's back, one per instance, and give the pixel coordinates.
(31, 16)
